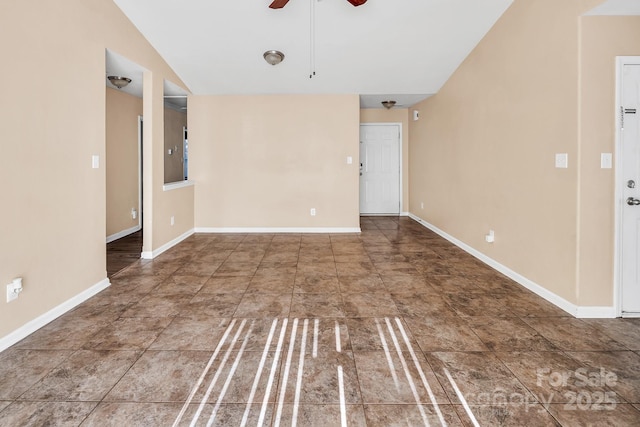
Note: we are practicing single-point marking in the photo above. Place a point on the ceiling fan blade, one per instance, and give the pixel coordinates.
(279, 4)
(357, 2)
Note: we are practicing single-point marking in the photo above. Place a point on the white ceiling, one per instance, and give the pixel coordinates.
(403, 50)
(617, 7)
(118, 65)
(385, 49)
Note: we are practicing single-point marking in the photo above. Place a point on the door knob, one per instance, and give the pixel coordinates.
(633, 202)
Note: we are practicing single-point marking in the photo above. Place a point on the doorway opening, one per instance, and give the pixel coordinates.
(123, 163)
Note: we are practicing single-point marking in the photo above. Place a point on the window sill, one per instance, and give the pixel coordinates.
(178, 184)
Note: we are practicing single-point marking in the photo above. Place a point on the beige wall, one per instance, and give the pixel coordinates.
(54, 215)
(174, 122)
(265, 161)
(394, 115)
(602, 39)
(482, 153)
(121, 160)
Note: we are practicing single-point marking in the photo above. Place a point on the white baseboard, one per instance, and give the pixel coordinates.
(569, 307)
(278, 230)
(123, 233)
(40, 321)
(594, 312)
(166, 246)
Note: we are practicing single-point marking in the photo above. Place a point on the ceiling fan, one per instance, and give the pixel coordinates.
(279, 4)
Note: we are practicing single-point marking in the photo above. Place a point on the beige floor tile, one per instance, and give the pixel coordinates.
(128, 334)
(86, 375)
(573, 415)
(509, 415)
(397, 379)
(508, 334)
(372, 304)
(479, 376)
(198, 332)
(21, 369)
(226, 285)
(61, 414)
(568, 333)
(384, 320)
(316, 284)
(325, 414)
(317, 305)
(161, 376)
(264, 305)
(443, 332)
(413, 415)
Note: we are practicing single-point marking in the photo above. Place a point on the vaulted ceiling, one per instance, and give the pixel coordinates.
(384, 49)
(404, 49)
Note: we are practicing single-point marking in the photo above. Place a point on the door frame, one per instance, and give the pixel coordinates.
(621, 61)
(400, 166)
(140, 195)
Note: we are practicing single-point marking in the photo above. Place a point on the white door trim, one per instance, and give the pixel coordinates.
(140, 138)
(617, 272)
(400, 143)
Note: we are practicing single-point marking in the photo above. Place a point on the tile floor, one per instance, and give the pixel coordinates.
(123, 252)
(393, 326)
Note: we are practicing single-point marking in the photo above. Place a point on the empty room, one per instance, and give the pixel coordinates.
(320, 213)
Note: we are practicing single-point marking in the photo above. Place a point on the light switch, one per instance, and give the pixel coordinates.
(562, 160)
(349, 160)
(95, 161)
(606, 160)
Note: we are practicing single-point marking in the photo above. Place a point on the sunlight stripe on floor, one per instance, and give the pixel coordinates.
(276, 359)
(232, 371)
(316, 326)
(256, 380)
(387, 354)
(405, 367)
(287, 367)
(204, 373)
(303, 349)
(425, 383)
(217, 374)
(343, 404)
(461, 398)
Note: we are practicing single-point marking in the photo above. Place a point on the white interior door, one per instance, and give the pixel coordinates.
(380, 169)
(629, 162)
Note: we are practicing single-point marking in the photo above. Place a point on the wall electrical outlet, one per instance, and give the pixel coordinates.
(490, 238)
(562, 160)
(313, 212)
(13, 289)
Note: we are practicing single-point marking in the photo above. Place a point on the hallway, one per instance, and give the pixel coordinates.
(393, 326)
(123, 252)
